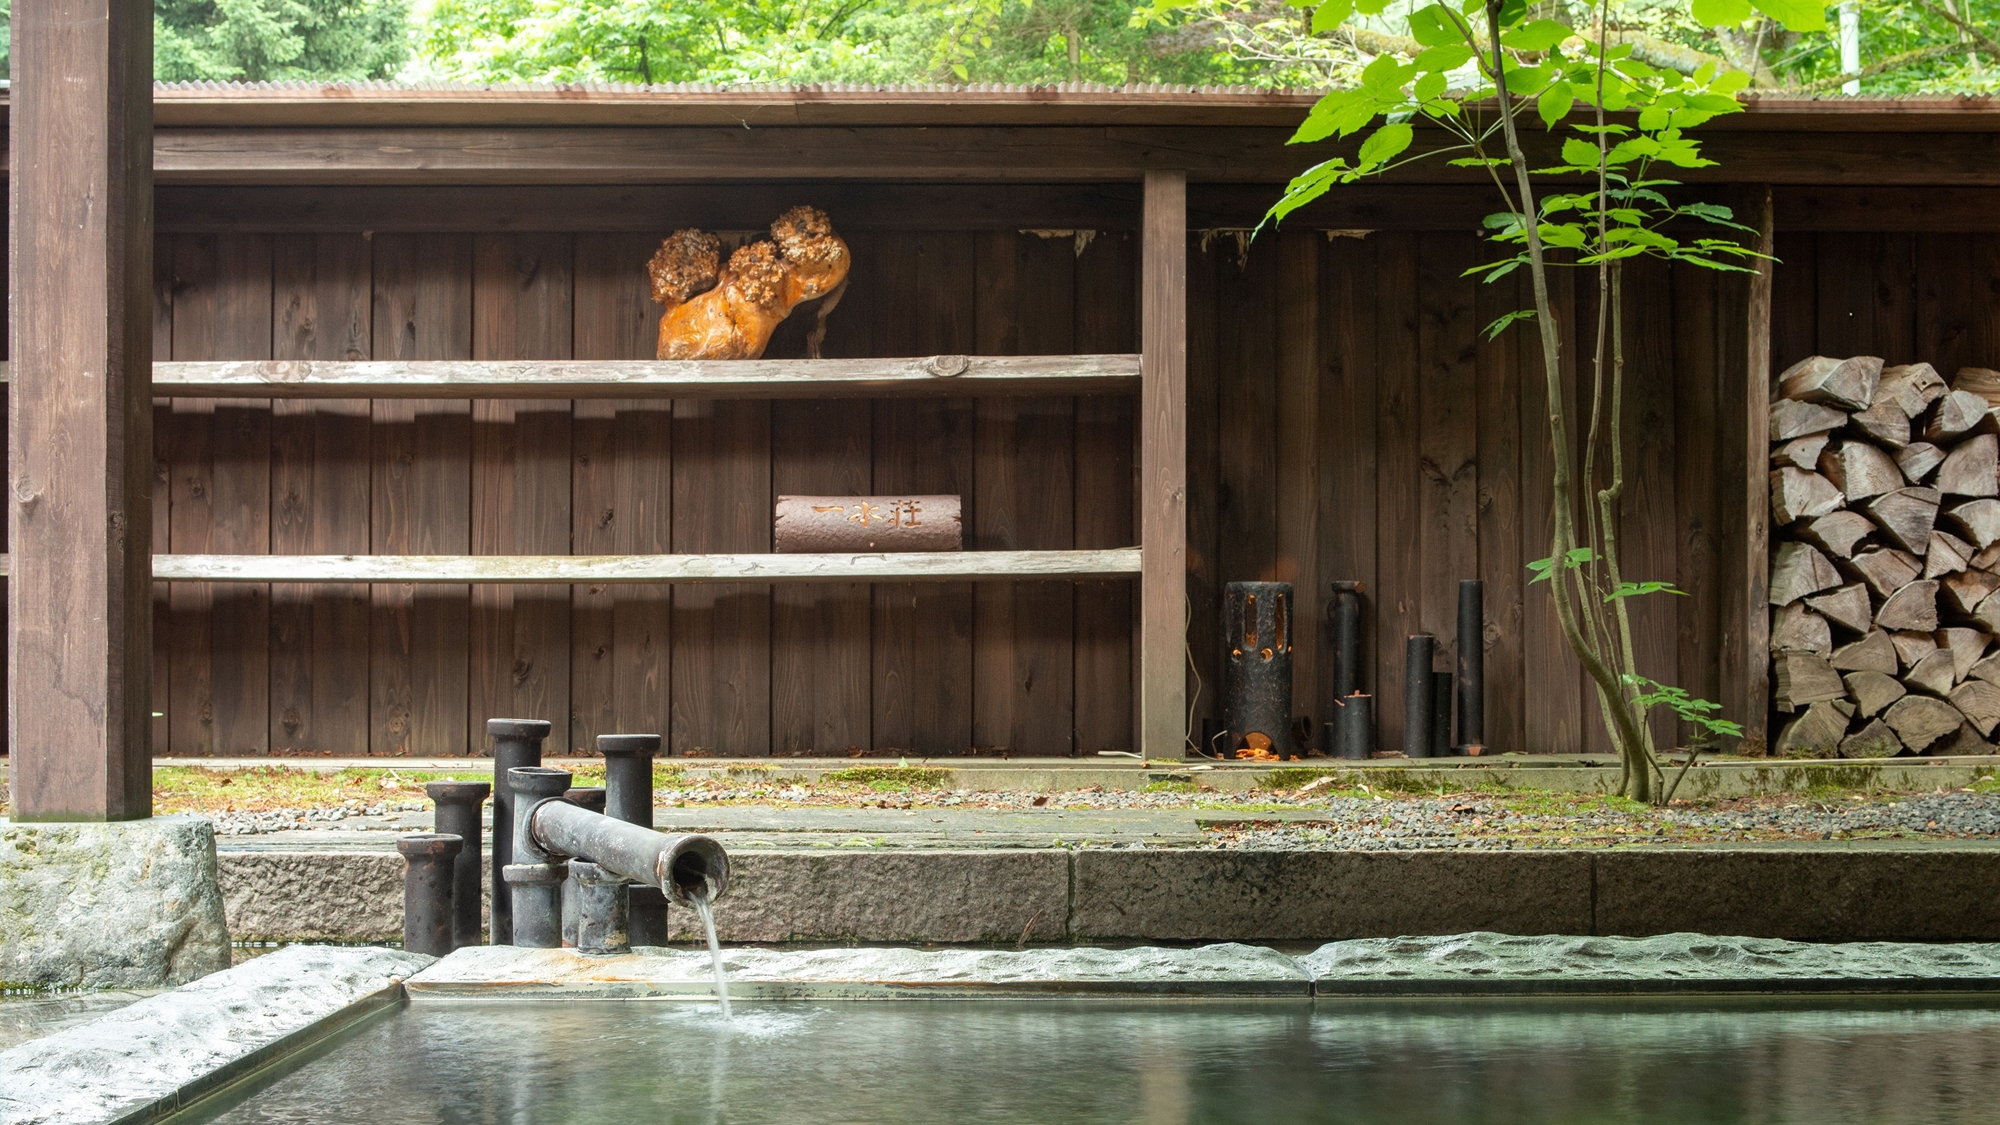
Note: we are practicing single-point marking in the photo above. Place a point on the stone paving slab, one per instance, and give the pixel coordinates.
(157, 1055)
(1475, 963)
(853, 974)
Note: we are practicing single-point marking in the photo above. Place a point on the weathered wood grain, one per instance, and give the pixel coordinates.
(1162, 490)
(422, 485)
(1107, 320)
(1448, 435)
(78, 428)
(320, 498)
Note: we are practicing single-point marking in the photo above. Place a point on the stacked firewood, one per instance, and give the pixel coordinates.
(1885, 559)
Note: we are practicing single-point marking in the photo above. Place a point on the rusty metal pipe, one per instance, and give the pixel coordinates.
(628, 787)
(585, 797)
(516, 742)
(601, 928)
(1441, 714)
(1257, 670)
(682, 866)
(1472, 664)
(1346, 610)
(427, 887)
(1356, 719)
(1417, 657)
(459, 812)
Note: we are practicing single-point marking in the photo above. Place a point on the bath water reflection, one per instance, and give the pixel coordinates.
(1056, 1062)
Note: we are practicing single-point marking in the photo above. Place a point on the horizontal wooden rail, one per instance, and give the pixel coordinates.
(951, 375)
(633, 570)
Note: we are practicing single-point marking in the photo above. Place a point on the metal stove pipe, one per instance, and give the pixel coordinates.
(584, 797)
(628, 787)
(1417, 657)
(459, 813)
(685, 867)
(427, 880)
(516, 742)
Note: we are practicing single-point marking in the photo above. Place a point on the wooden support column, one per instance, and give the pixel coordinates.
(1754, 706)
(80, 423)
(1161, 723)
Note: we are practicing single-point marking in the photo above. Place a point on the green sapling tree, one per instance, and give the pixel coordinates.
(1485, 72)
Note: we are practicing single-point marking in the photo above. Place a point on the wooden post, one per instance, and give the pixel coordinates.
(80, 427)
(1755, 706)
(1162, 698)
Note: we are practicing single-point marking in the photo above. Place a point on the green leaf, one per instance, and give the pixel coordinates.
(1577, 556)
(1384, 144)
(1430, 85)
(1555, 103)
(1442, 58)
(1505, 321)
(1582, 154)
(1636, 589)
(1370, 7)
(1308, 186)
(1796, 15)
(1539, 35)
(1331, 14)
(1721, 13)
(1430, 27)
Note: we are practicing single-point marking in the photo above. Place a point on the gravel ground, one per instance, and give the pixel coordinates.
(1303, 819)
(1502, 823)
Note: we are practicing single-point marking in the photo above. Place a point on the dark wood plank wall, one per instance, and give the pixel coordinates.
(1348, 420)
(1030, 668)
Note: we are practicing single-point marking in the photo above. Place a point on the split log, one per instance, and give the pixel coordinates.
(1914, 607)
(1972, 469)
(1965, 590)
(1919, 720)
(1872, 653)
(1849, 383)
(1836, 533)
(1847, 607)
(1795, 628)
(1966, 647)
(1804, 679)
(1911, 386)
(1912, 647)
(1987, 669)
(1818, 731)
(1790, 419)
(1932, 673)
(1978, 381)
(1886, 570)
(1988, 614)
(1797, 570)
(1872, 692)
(1800, 495)
(1884, 423)
(1979, 702)
(820, 524)
(1916, 460)
(1803, 453)
(1964, 742)
(1859, 470)
(1954, 414)
(1906, 516)
(1875, 740)
(1979, 519)
(1988, 558)
(1948, 554)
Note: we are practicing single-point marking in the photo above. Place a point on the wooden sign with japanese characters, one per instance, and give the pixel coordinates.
(868, 523)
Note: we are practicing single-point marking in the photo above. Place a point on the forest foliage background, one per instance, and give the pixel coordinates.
(1906, 45)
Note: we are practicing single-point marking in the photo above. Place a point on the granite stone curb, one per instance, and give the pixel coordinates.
(156, 1056)
(1294, 896)
(861, 974)
(1490, 963)
(128, 904)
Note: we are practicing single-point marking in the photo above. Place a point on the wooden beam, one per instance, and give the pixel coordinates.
(934, 376)
(632, 570)
(1753, 706)
(1161, 724)
(347, 157)
(80, 417)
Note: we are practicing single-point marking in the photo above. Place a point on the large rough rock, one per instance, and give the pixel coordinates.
(165, 1049)
(131, 904)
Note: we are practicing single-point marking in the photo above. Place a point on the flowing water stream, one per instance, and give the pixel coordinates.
(703, 906)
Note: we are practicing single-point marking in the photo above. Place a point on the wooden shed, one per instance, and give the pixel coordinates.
(1344, 418)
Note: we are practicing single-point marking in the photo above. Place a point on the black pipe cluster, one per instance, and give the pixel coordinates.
(552, 897)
